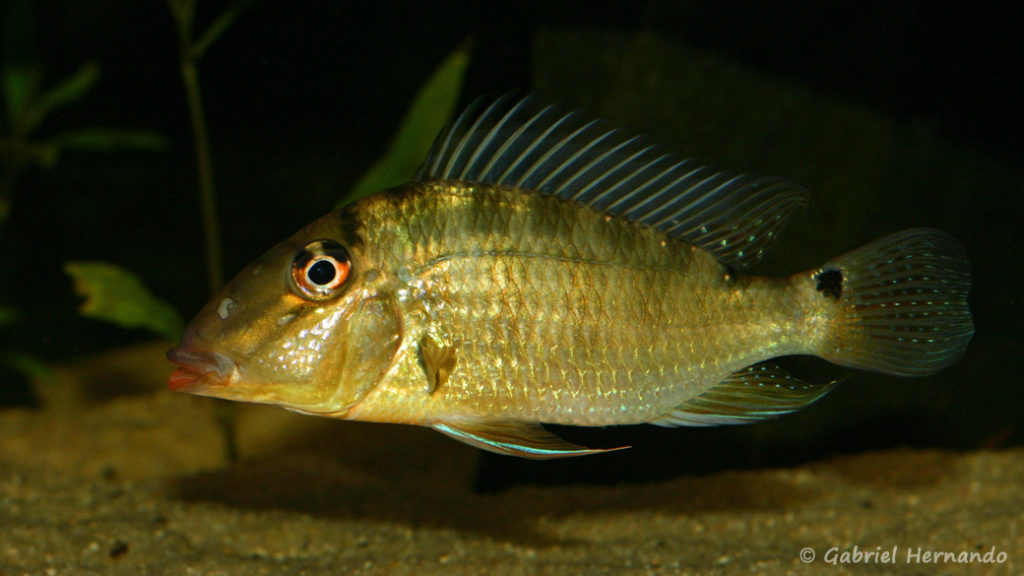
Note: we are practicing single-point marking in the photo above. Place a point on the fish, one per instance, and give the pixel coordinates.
(543, 268)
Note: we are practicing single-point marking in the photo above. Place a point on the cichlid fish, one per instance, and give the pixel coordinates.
(540, 268)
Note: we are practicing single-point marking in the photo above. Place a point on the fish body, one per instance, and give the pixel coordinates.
(556, 314)
(540, 269)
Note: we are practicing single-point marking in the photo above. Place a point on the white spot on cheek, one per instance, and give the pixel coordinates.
(225, 307)
(285, 319)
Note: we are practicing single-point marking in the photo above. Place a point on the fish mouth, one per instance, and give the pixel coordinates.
(199, 369)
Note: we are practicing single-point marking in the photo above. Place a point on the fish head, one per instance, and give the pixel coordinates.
(306, 327)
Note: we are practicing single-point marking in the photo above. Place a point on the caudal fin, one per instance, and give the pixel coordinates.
(901, 304)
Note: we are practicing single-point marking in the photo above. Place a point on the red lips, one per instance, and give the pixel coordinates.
(196, 367)
(181, 379)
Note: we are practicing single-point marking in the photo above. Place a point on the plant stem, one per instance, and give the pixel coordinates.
(204, 169)
(227, 414)
(222, 23)
(183, 12)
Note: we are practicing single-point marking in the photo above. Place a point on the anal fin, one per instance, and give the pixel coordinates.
(755, 393)
(523, 439)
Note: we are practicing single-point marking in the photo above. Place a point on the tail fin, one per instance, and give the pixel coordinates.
(902, 304)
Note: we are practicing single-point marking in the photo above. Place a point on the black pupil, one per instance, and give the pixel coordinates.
(321, 273)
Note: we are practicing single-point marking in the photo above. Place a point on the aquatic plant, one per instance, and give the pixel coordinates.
(29, 103)
(114, 294)
(190, 49)
(28, 107)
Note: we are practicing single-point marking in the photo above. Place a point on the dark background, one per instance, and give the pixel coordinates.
(301, 97)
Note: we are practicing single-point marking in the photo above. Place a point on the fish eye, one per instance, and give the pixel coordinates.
(320, 269)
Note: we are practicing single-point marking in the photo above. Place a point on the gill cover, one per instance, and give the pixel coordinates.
(371, 345)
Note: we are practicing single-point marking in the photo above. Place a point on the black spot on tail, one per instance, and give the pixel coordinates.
(830, 283)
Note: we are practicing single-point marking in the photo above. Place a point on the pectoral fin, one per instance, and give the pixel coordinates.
(437, 355)
(755, 393)
(523, 439)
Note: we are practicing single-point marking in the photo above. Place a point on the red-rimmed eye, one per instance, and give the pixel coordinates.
(320, 269)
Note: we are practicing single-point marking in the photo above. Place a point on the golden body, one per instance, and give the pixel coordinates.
(556, 313)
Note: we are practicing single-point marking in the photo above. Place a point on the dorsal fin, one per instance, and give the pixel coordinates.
(515, 142)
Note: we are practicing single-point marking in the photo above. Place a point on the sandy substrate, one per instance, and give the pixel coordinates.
(138, 485)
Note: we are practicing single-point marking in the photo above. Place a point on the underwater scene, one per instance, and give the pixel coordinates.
(652, 288)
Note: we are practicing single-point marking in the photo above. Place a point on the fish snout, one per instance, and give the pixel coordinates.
(197, 369)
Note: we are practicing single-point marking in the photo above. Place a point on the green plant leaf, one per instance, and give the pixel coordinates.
(116, 295)
(431, 110)
(222, 23)
(28, 365)
(72, 89)
(44, 154)
(101, 139)
(20, 85)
